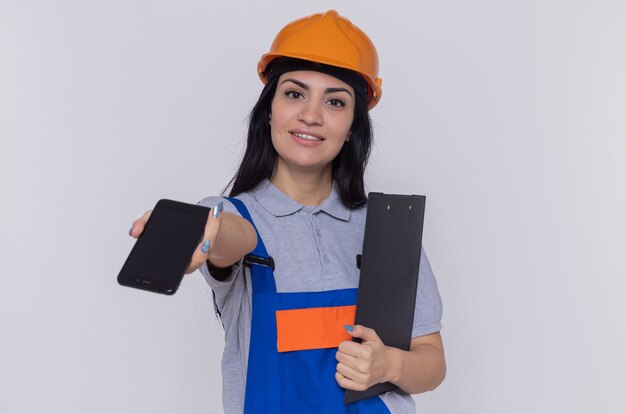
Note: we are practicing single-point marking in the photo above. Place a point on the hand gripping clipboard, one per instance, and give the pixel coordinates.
(389, 272)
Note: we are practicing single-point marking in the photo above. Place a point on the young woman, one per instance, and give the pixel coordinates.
(299, 206)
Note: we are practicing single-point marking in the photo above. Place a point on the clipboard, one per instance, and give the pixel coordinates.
(389, 266)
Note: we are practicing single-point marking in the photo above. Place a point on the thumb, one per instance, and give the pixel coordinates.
(362, 332)
(205, 247)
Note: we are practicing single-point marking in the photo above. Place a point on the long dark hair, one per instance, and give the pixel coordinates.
(259, 160)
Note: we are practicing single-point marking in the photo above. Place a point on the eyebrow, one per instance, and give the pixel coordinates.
(306, 87)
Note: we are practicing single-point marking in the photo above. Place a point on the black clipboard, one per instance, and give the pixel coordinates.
(389, 265)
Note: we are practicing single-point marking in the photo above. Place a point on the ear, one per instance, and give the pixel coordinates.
(349, 136)
(269, 119)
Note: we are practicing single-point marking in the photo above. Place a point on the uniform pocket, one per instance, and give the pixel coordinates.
(312, 328)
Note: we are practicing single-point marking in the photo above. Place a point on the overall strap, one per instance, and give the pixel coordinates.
(261, 263)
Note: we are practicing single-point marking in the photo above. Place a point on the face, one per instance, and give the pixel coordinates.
(312, 113)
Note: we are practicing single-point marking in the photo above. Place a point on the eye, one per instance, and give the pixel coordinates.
(338, 103)
(293, 94)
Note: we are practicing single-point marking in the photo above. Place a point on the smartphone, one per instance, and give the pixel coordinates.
(161, 254)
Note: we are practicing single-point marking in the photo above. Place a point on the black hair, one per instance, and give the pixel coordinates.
(259, 160)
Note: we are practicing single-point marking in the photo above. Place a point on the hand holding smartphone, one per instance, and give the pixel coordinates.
(161, 254)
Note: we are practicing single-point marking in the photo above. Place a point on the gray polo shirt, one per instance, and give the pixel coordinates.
(314, 249)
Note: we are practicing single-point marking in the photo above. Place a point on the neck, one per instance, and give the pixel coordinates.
(306, 187)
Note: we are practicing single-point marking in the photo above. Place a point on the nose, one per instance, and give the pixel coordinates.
(311, 114)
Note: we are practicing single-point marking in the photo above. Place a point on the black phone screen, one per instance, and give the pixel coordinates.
(162, 253)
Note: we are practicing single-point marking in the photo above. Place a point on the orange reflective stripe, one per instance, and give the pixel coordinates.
(313, 328)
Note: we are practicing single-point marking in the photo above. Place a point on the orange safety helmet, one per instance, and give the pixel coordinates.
(330, 39)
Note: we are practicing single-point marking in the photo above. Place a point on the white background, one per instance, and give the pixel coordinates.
(508, 115)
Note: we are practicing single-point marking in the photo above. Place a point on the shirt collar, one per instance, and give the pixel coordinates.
(333, 206)
(280, 204)
(274, 200)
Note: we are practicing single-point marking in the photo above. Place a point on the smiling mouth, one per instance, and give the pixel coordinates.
(307, 136)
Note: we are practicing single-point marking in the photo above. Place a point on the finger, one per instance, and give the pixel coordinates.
(347, 383)
(362, 332)
(350, 348)
(346, 359)
(360, 362)
(360, 352)
(206, 246)
(350, 373)
(138, 225)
